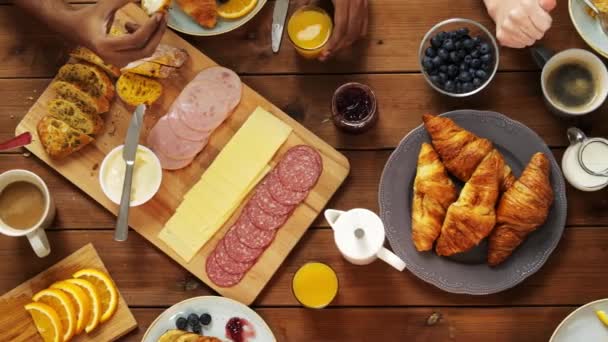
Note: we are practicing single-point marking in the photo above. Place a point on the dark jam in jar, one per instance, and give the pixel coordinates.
(354, 107)
(239, 330)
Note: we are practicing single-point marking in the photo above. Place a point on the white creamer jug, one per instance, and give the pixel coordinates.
(359, 235)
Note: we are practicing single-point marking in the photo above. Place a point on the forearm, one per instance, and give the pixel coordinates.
(56, 14)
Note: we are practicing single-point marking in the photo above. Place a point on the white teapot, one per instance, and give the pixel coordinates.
(359, 235)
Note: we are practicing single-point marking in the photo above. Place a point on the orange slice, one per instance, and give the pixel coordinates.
(82, 301)
(63, 306)
(91, 292)
(107, 291)
(234, 9)
(47, 321)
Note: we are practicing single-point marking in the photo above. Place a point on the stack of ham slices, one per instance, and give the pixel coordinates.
(273, 202)
(201, 107)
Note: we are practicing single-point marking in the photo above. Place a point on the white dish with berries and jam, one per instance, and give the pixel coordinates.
(218, 317)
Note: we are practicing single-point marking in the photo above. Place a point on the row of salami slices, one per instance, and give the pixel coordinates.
(199, 109)
(272, 203)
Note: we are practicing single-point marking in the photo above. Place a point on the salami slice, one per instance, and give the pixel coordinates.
(237, 250)
(311, 151)
(261, 219)
(170, 163)
(280, 193)
(271, 206)
(227, 263)
(299, 169)
(182, 130)
(251, 236)
(218, 276)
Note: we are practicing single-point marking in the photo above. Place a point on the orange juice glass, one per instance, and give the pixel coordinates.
(309, 29)
(315, 285)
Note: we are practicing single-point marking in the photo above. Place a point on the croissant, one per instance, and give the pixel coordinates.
(472, 217)
(522, 209)
(203, 12)
(433, 194)
(461, 150)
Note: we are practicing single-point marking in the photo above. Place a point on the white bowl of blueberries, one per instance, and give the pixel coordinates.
(459, 57)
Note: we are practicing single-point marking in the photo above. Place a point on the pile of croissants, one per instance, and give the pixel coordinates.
(492, 203)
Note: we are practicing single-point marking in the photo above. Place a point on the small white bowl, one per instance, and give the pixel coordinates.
(153, 186)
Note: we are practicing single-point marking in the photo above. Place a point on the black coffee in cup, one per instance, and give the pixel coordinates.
(571, 85)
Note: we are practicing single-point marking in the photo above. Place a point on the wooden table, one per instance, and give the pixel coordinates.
(375, 302)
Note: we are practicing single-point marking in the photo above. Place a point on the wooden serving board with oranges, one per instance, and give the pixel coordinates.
(93, 315)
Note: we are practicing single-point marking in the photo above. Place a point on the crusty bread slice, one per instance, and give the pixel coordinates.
(71, 92)
(59, 139)
(82, 119)
(150, 69)
(155, 6)
(135, 89)
(84, 54)
(89, 78)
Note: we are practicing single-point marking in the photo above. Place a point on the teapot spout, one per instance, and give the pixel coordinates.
(332, 215)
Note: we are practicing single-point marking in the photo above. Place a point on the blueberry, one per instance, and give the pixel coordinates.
(464, 76)
(193, 319)
(463, 67)
(444, 54)
(458, 44)
(453, 35)
(442, 77)
(484, 48)
(487, 58)
(468, 44)
(481, 74)
(452, 70)
(468, 59)
(467, 87)
(443, 68)
(430, 52)
(205, 319)
(434, 72)
(475, 54)
(436, 42)
(437, 61)
(476, 40)
(462, 53)
(427, 63)
(197, 329)
(472, 72)
(181, 323)
(459, 87)
(442, 36)
(476, 82)
(454, 57)
(450, 86)
(448, 44)
(434, 79)
(463, 31)
(475, 63)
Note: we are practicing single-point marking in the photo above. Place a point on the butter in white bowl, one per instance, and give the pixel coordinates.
(147, 175)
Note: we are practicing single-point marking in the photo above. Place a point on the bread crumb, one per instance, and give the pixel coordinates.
(433, 318)
(26, 154)
(30, 98)
(95, 166)
(12, 116)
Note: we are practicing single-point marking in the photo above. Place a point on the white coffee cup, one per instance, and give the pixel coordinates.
(36, 234)
(549, 62)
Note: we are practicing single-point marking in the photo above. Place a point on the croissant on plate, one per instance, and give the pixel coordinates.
(472, 217)
(434, 191)
(460, 150)
(522, 209)
(203, 12)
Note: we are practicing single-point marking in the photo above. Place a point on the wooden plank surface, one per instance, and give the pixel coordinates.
(19, 326)
(396, 28)
(574, 274)
(527, 324)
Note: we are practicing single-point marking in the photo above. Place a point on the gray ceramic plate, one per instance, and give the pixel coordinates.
(180, 21)
(468, 273)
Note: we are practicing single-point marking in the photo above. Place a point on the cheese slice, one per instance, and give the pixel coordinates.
(237, 169)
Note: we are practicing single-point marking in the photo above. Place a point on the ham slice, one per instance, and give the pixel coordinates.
(182, 130)
(163, 139)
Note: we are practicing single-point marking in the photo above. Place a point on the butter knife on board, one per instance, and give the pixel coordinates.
(278, 23)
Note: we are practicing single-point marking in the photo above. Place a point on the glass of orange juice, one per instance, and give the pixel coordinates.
(309, 29)
(315, 285)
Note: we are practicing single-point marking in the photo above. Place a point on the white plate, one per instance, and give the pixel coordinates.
(588, 27)
(180, 21)
(583, 324)
(221, 310)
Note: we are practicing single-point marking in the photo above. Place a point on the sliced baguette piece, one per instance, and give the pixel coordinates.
(89, 78)
(150, 69)
(59, 139)
(82, 119)
(82, 53)
(135, 89)
(168, 55)
(71, 92)
(155, 6)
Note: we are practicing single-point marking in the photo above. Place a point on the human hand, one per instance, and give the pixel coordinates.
(350, 24)
(520, 23)
(92, 24)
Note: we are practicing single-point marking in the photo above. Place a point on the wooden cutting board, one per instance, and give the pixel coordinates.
(82, 170)
(19, 326)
